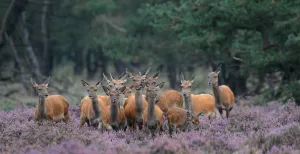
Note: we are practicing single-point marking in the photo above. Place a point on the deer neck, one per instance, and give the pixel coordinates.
(216, 91)
(114, 111)
(42, 106)
(188, 102)
(139, 102)
(147, 96)
(151, 104)
(122, 100)
(96, 107)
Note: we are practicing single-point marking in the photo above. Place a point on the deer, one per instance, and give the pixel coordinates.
(50, 107)
(115, 115)
(153, 115)
(180, 119)
(167, 99)
(91, 107)
(197, 103)
(135, 103)
(223, 95)
(117, 83)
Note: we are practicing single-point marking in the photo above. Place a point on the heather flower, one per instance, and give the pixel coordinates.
(272, 128)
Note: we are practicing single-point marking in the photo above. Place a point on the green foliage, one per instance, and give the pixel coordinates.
(256, 37)
(6, 106)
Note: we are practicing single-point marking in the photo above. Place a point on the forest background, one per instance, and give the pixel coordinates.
(257, 43)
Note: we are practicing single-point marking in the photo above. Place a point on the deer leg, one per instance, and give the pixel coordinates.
(221, 112)
(81, 122)
(66, 117)
(170, 130)
(227, 113)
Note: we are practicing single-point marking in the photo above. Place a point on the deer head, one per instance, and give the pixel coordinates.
(153, 90)
(138, 80)
(186, 85)
(42, 89)
(117, 83)
(213, 76)
(91, 89)
(194, 118)
(151, 81)
(113, 92)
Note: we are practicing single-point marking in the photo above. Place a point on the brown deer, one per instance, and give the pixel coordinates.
(197, 103)
(135, 103)
(115, 115)
(50, 107)
(92, 107)
(224, 96)
(180, 119)
(167, 99)
(118, 83)
(153, 115)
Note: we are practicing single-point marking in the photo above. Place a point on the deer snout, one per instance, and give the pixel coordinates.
(184, 94)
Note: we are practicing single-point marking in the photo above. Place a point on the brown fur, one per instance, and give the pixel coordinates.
(169, 99)
(87, 113)
(204, 102)
(178, 119)
(223, 95)
(130, 109)
(53, 107)
(158, 113)
(198, 103)
(121, 116)
(56, 109)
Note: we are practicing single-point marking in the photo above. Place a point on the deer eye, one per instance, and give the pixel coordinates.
(190, 86)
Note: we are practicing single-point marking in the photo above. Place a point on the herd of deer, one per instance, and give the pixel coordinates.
(138, 111)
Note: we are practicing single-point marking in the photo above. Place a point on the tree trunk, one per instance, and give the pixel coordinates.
(11, 17)
(171, 70)
(47, 68)
(25, 82)
(29, 50)
(91, 64)
(79, 62)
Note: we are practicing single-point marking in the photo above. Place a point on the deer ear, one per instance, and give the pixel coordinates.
(129, 74)
(47, 81)
(84, 83)
(156, 75)
(34, 84)
(146, 73)
(193, 77)
(99, 83)
(106, 90)
(160, 85)
(219, 69)
(182, 76)
(104, 76)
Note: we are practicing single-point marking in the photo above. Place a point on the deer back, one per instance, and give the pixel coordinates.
(169, 99)
(227, 96)
(203, 102)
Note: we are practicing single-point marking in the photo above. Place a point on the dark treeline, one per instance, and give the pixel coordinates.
(253, 40)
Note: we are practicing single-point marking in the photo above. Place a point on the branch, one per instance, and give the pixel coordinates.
(18, 62)
(29, 49)
(44, 29)
(3, 25)
(116, 27)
